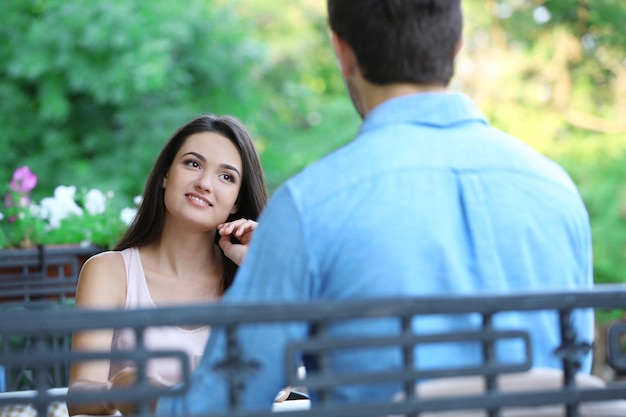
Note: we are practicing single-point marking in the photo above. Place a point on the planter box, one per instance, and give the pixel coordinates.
(42, 273)
(41, 278)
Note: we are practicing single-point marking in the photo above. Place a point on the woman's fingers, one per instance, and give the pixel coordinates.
(237, 228)
(241, 230)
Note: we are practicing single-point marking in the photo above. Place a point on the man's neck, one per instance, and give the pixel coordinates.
(373, 94)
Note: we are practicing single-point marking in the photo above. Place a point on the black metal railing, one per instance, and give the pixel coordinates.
(39, 279)
(322, 314)
(43, 274)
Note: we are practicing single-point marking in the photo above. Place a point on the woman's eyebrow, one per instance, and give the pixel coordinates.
(197, 155)
(228, 166)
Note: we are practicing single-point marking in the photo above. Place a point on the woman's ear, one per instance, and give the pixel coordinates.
(235, 209)
(165, 181)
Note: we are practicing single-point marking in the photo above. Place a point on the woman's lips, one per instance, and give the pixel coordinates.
(199, 200)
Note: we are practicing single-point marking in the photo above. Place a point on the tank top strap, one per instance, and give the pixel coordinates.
(137, 292)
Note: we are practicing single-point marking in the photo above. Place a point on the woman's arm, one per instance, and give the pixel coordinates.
(101, 285)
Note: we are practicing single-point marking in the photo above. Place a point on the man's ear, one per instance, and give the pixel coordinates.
(345, 56)
(459, 45)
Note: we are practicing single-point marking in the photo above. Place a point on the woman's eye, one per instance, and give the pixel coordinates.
(227, 177)
(192, 163)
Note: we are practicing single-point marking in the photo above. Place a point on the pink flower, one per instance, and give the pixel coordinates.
(23, 180)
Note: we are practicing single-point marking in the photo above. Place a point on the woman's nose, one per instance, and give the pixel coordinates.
(205, 183)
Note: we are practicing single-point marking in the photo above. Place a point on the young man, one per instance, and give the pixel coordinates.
(427, 199)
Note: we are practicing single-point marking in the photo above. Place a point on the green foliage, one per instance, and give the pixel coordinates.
(19, 225)
(90, 91)
(598, 166)
(335, 123)
(300, 119)
(97, 229)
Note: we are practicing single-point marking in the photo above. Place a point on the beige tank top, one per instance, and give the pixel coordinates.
(191, 341)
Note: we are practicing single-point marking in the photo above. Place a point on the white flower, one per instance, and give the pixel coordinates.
(1, 216)
(34, 210)
(128, 215)
(137, 200)
(95, 202)
(61, 206)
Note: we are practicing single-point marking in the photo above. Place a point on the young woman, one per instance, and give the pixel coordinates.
(206, 186)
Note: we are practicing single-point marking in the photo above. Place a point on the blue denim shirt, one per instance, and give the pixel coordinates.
(428, 199)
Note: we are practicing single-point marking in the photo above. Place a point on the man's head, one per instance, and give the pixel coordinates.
(400, 41)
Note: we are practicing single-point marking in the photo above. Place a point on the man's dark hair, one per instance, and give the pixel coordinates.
(410, 41)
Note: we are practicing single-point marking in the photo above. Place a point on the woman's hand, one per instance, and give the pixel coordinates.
(96, 408)
(241, 230)
(128, 377)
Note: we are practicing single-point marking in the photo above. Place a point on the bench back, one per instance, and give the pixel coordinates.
(487, 382)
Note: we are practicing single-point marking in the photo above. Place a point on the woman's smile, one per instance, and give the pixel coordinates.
(199, 200)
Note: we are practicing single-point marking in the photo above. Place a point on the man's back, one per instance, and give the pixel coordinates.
(426, 200)
(453, 207)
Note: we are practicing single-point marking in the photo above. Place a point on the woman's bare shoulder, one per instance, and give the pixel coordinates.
(102, 280)
(108, 255)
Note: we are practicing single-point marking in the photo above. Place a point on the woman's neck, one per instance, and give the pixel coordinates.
(186, 256)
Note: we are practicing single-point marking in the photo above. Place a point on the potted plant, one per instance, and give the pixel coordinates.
(54, 236)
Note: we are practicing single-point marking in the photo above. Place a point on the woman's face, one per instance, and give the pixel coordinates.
(202, 185)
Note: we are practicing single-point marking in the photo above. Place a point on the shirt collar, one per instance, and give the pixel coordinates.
(432, 109)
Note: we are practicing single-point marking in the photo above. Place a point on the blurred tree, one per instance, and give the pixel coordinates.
(562, 62)
(90, 91)
(306, 112)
